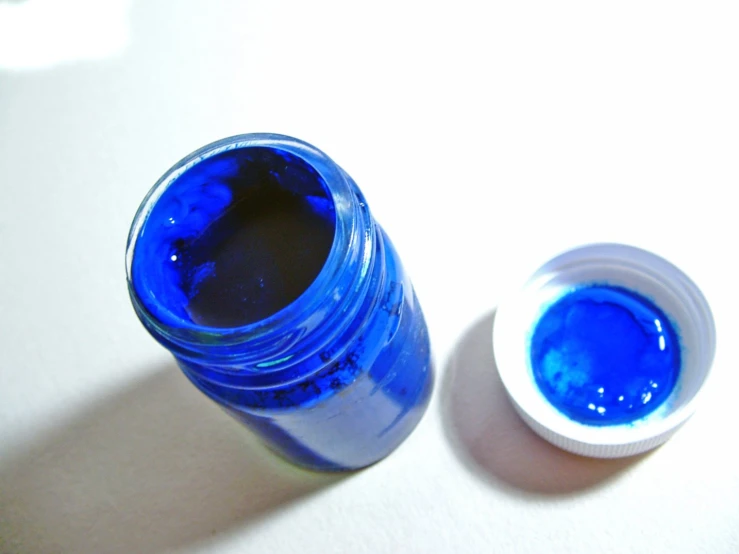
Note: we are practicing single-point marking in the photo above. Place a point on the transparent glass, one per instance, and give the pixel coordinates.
(337, 378)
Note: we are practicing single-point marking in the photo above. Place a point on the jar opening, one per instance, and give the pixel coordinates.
(235, 238)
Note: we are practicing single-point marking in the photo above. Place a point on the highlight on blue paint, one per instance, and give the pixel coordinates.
(605, 355)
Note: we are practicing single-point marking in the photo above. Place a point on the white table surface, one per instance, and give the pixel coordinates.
(486, 136)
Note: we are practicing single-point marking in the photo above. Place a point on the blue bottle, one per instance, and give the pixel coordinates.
(256, 262)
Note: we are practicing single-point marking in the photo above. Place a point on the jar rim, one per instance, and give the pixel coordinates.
(282, 329)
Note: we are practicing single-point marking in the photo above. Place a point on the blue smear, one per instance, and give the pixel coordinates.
(605, 355)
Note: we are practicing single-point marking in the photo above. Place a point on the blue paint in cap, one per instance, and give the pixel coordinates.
(605, 355)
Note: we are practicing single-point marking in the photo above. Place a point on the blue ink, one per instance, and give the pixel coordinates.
(257, 263)
(604, 355)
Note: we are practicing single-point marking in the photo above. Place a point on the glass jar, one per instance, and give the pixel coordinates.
(256, 262)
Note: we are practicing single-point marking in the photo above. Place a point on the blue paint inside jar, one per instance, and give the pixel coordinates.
(257, 263)
(605, 355)
(240, 237)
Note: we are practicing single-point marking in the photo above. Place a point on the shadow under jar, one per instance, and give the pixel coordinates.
(256, 262)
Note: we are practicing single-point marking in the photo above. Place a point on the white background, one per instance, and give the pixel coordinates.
(486, 136)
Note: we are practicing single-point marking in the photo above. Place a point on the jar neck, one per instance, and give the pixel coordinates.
(304, 327)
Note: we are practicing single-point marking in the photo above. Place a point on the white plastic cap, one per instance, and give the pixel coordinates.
(618, 265)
